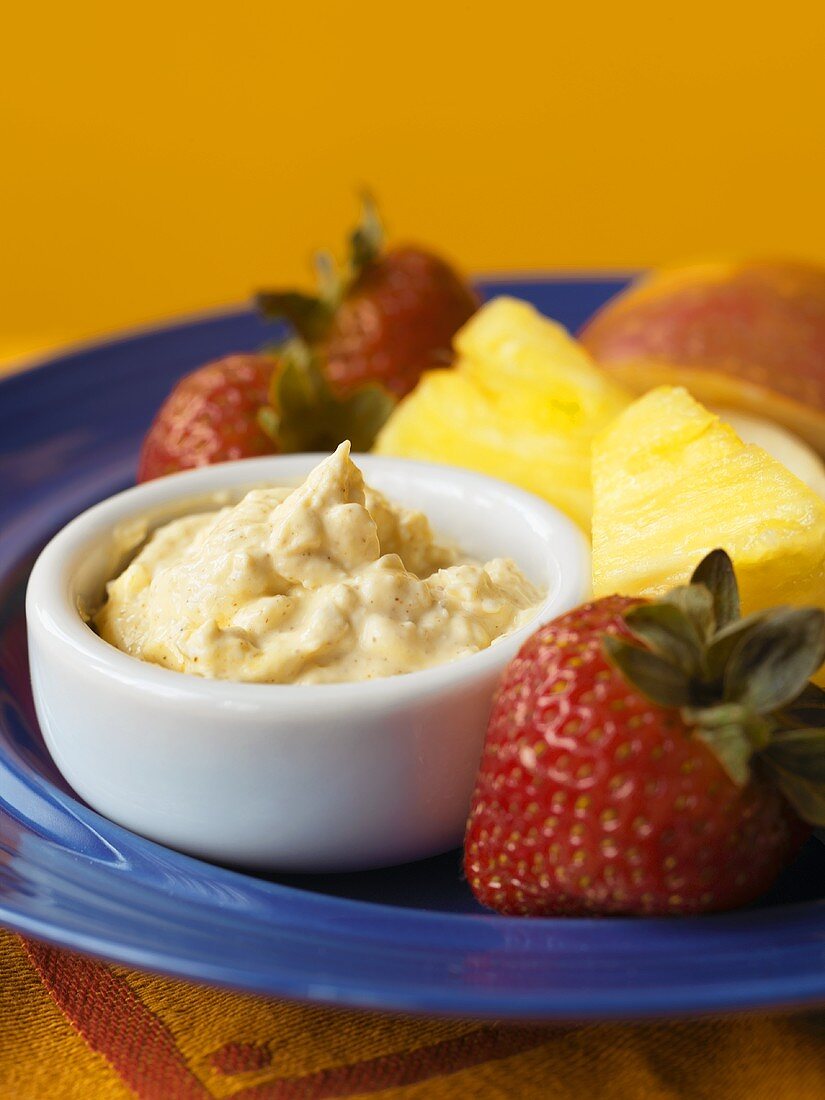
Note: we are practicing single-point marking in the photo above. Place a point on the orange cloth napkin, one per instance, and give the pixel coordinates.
(75, 1029)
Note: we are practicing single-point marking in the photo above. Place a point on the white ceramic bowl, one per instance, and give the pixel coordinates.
(289, 777)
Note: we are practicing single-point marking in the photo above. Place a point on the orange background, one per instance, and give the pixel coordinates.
(169, 156)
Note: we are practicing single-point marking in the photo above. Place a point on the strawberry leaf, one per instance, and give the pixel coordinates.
(731, 746)
(806, 797)
(652, 675)
(725, 641)
(808, 709)
(741, 684)
(733, 732)
(305, 415)
(330, 287)
(775, 660)
(360, 416)
(799, 751)
(795, 760)
(310, 316)
(669, 633)
(715, 572)
(367, 239)
(696, 604)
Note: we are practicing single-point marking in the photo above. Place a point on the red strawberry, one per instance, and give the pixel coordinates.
(651, 757)
(397, 320)
(249, 405)
(210, 416)
(368, 335)
(391, 316)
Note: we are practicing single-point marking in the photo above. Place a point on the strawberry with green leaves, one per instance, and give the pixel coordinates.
(651, 757)
(357, 346)
(244, 406)
(385, 318)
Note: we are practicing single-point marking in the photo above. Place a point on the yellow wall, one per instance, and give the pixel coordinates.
(167, 156)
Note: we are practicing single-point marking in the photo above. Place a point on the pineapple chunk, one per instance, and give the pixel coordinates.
(519, 356)
(671, 481)
(789, 449)
(522, 403)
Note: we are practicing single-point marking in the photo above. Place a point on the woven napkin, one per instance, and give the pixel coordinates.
(76, 1029)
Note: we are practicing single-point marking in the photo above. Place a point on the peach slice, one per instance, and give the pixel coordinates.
(747, 336)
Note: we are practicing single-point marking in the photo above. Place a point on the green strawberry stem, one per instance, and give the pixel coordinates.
(305, 415)
(311, 315)
(308, 315)
(367, 239)
(741, 684)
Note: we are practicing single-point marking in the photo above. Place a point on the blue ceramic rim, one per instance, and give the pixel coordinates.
(370, 921)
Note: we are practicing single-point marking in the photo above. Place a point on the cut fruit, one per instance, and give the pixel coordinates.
(788, 448)
(747, 335)
(672, 482)
(523, 402)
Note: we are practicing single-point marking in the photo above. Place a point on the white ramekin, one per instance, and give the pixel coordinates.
(288, 777)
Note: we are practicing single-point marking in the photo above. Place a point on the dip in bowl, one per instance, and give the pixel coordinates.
(298, 776)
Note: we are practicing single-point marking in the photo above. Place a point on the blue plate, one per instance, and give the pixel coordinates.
(410, 938)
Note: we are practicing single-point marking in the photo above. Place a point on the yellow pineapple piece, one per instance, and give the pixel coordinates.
(518, 356)
(671, 482)
(522, 402)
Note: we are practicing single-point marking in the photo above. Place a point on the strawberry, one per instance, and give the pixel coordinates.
(397, 320)
(359, 345)
(248, 405)
(387, 318)
(305, 414)
(210, 416)
(647, 757)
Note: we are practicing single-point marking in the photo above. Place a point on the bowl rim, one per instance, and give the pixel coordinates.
(49, 605)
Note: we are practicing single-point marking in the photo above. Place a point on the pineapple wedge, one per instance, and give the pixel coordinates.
(671, 481)
(523, 402)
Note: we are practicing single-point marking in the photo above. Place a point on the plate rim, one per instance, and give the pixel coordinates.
(781, 992)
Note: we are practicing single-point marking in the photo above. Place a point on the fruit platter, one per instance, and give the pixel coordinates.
(429, 645)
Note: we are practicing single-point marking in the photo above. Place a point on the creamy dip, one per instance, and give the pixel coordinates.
(325, 583)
